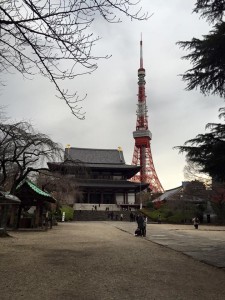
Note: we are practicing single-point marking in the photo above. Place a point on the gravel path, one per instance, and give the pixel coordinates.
(97, 261)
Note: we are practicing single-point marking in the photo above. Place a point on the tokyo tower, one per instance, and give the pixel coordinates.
(142, 155)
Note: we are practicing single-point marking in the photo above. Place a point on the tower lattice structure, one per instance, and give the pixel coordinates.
(142, 155)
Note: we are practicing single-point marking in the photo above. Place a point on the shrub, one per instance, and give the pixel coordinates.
(150, 205)
(168, 215)
(176, 218)
(68, 212)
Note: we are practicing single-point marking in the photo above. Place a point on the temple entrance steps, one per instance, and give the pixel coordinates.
(95, 206)
(98, 215)
(90, 215)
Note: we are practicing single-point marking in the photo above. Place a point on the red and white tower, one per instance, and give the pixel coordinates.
(142, 150)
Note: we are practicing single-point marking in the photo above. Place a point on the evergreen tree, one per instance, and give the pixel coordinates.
(207, 55)
(208, 150)
(208, 73)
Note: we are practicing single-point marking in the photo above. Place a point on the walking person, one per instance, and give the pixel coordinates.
(112, 215)
(141, 227)
(196, 222)
(159, 219)
(131, 217)
(145, 225)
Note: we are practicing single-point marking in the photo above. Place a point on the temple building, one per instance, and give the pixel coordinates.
(102, 177)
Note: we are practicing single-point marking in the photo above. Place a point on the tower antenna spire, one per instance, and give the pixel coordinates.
(141, 53)
(142, 135)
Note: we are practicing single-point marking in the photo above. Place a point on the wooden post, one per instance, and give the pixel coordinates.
(37, 214)
(12, 216)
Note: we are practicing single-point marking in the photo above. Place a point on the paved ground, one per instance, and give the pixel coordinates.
(207, 244)
(104, 260)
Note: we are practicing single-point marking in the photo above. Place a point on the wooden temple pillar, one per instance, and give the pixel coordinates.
(12, 219)
(125, 198)
(37, 216)
(114, 198)
(18, 217)
(101, 198)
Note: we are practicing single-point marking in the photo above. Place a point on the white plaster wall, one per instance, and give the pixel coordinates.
(119, 199)
(131, 198)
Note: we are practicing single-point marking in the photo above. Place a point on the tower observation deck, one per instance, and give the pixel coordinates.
(142, 155)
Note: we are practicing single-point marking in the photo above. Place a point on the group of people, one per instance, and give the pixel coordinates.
(116, 216)
(141, 222)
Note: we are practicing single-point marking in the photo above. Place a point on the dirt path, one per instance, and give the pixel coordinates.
(95, 260)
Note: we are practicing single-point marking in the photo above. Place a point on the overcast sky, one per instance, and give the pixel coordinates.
(175, 115)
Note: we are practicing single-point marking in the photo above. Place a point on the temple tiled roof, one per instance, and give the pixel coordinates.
(28, 191)
(7, 198)
(129, 170)
(168, 193)
(95, 156)
(93, 166)
(123, 184)
(96, 160)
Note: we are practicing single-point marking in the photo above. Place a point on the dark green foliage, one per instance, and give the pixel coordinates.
(219, 209)
(209, 154)
(68, 212)
(176, 215)
(166, 215)
(218, 201)
(207, 55)
(182, 206)
(208, 59)
(210, 9)
(208, 151)
(177, 218)
(150, 205)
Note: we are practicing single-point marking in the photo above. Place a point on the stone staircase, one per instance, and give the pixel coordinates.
(99, 215)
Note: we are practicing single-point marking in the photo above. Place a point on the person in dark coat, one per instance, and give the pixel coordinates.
(112, 215)
(159, 219)
(196, 222)
(145, 224)
(141, 225)
(131, 217)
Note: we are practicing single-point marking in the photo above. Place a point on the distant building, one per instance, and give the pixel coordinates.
(192, 191)
(102, 177)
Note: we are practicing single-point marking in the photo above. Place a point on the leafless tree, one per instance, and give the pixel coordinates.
(54, 38)
(63, 180)
(215, 191)
(192, 172)
(63, 187)
(22, 151)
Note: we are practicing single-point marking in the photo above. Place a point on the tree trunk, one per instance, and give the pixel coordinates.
(18, 217)
(3, 221)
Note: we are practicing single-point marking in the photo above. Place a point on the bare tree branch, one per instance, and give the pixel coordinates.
(54, 38)
(22, 150)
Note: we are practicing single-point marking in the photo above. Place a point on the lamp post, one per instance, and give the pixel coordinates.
(68, 150)
(183, 207)
(140, 195)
